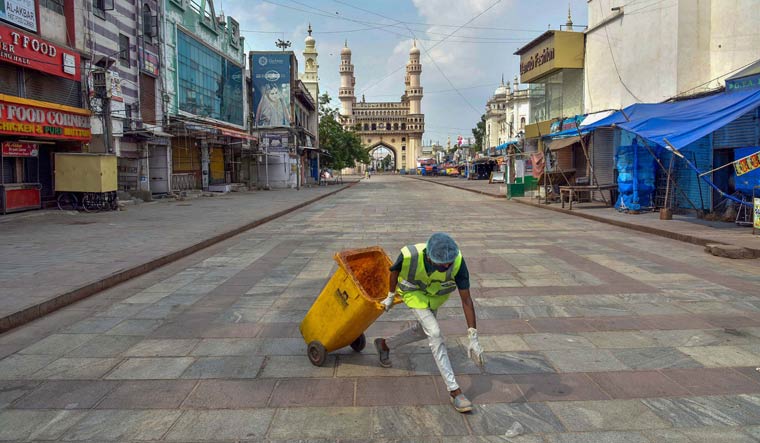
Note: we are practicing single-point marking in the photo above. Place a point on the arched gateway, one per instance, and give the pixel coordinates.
(397, 126)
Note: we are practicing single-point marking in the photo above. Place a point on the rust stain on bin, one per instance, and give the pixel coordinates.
(369, 268)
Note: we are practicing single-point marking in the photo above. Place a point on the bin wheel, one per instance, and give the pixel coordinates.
(317, 353)
(359, 344)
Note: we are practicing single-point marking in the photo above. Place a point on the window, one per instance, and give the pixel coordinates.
(403, 127)
(124, 50)
(395, 126)
(99, 7)
(387, 126)
(147, 21)
(53, 5)
(374, 127)
(366, 127)
(522, 122)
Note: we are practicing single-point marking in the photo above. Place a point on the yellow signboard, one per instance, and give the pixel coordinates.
(757, 213)
(552, 51)
(748, 163)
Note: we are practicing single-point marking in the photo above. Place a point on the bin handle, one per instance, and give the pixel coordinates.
(396, 300)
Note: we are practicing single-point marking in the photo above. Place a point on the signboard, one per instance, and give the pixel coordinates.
(32, 119)
(149, 62)
(32, 52)
(275, 142)
(21, 13)
(550, 52)
(748, 163)
(271, 79)
(13, 149)
(756, 212)
(739, 84)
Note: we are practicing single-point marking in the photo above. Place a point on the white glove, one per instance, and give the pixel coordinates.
(388, 302)
(474, 350)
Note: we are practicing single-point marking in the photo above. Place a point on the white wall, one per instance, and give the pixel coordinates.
(663, 49)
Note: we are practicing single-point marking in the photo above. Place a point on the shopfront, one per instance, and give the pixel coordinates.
(30, 133)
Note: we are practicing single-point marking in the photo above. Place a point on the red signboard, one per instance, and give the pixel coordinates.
(11, 149)
(21, 117)
(32, 52)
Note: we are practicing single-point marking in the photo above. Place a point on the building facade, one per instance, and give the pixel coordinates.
(636, 54)
(205, 95)
(507, 114)
(42, 105)
(397, 126)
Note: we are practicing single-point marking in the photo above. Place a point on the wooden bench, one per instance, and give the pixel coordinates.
(571, 191)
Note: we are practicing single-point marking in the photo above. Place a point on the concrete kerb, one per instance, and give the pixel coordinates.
(686, 238)
(34, 312)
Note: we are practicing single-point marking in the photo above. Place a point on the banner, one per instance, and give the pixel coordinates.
(275, 142)
(271, 81)
(748, 163)
(14, 149)
(757, 213)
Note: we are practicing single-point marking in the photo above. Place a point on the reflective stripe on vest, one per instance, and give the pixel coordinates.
(413, 277)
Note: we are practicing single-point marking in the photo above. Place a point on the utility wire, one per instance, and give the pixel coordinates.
(612, 56)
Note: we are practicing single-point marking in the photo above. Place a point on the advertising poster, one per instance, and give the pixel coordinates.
(275, 142)
(21, 13)
(757, 213)
(271, 88)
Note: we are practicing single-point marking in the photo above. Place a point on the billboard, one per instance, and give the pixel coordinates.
(275, 142)
(271, 81)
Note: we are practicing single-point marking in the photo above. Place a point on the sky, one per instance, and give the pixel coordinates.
(466, 45)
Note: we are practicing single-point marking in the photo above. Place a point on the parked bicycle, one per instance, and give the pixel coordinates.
(88, 201)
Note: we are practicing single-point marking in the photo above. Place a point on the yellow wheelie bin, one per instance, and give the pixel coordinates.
(348, 304)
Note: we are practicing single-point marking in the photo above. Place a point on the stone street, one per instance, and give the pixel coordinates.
(592, 333)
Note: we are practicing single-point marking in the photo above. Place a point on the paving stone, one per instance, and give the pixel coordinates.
(137, 327)
(224, 367)
(162, 348)
(483, 388)
(226, 347)
(654, 358)
(558, 387)
(19, 425)
(12, 389)
(57, 344)
(148, 394)
(119, 425)
(598, 437)
(69, 394)
(540, 342)
(105, 346)
(76, 368)
(676, 338)
(367, 365)
(495, 419)
(331, 422)
(585, 360)
(122, 310)
(620, 339)
(713, 381)
(637, 384)
(517, 363)
(221, 425)
(721, 356)
(387, 391)
(302, 392)
(714, 434)
(150, 368)
(93, 325)
(17, 366)
(703, 411)
(611, 415)
(222, 394)
(417, 422)
(424, 363)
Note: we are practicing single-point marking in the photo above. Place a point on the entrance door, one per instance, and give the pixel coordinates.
(158, 165)
(217, 166)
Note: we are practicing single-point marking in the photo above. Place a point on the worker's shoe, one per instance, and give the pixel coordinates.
(461, 403)
(383, 353)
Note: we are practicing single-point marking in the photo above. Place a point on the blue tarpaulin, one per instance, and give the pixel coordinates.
(683, 122)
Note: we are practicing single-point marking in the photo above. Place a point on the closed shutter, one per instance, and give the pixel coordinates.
(602, 160)
(740, 133)
(53, 89)
(8, 80)
(695, 188)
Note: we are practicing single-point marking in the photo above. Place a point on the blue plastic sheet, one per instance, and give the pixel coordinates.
(745, 182)
(636, 177)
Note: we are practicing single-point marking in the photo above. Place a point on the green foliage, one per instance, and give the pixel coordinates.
(386, 162)
(345, 146)
(479, 132)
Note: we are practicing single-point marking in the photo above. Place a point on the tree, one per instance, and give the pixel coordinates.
(479, 132)
(345, 146)
(387, 162)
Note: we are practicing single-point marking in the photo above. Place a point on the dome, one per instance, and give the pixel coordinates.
(500, 90)
(415, 50)
(345, 50)
(309, 40)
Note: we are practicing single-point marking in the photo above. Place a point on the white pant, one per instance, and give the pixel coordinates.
(427, 326)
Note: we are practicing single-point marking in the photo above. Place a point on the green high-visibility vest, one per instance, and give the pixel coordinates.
(420, 290)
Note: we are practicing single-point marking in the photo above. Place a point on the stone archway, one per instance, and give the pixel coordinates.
(383, 157)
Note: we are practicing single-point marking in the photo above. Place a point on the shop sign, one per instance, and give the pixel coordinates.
(21, 13)
(275, 142)
(740, 84)
(757, 213)
(33, 52)
(14, 149)
(37, 121)
(550, 52)
(748, 163)
(149, 62)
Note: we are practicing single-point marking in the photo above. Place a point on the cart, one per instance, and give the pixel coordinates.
(86, 181)
(348, 304)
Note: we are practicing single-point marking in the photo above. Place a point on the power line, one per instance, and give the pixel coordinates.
(612, 56)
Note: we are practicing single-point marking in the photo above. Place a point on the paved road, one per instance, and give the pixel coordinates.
(592, 334)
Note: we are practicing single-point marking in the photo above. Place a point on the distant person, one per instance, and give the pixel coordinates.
(424, 275)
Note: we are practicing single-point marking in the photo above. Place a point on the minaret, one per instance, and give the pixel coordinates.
(347, 82)
(569, 24)
(415, 123)
(311, 76)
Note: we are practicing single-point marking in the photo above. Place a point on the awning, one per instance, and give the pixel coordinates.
(556, 145)
(236, 134)
(683, 122)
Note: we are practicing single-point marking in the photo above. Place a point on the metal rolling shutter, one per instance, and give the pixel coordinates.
(699, 153)
(53, 89)
(602, 159)
(8, 80)
(742, 132)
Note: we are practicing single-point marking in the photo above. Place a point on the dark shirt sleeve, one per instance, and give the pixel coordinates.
(397, 266)
(463, 276)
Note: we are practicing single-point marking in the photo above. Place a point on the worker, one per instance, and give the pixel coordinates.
(424, 275)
